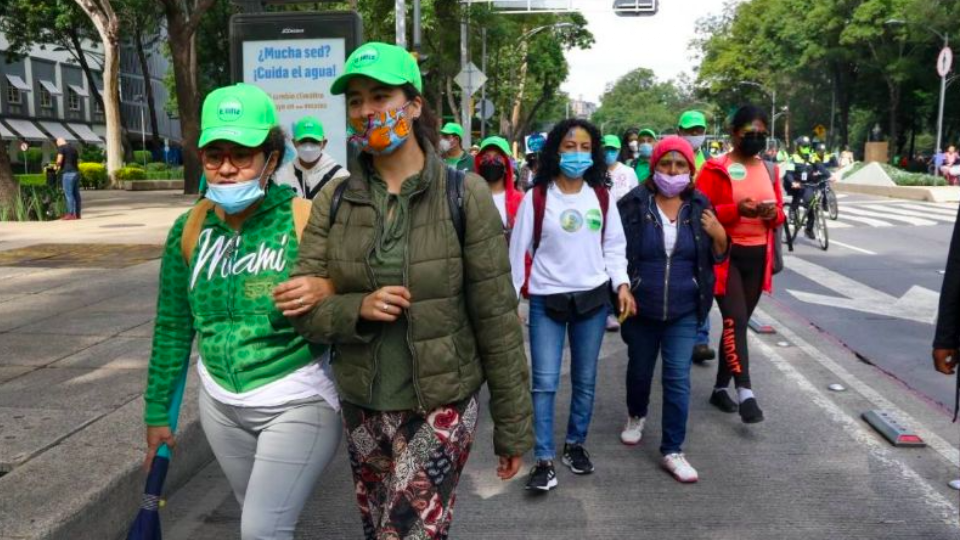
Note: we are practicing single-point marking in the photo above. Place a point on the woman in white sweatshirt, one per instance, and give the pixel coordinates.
(570, 225)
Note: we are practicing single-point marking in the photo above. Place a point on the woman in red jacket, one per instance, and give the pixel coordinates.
(749, 204)
(493, 164)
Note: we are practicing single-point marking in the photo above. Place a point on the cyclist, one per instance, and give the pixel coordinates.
(805, 171)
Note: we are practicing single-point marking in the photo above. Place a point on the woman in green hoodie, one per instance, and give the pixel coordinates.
(423, 311)
(267, 404)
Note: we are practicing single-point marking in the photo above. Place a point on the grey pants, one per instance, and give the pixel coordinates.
(272, 457)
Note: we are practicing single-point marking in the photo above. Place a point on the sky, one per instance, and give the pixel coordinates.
(660, 43)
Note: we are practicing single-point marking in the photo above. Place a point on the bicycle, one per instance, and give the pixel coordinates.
(830, 202)
(814, 211)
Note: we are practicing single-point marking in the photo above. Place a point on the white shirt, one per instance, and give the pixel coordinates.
(571, 256)
(500, 199)
(624, 179)
(309, 381)
(669, 231)
(287, 175)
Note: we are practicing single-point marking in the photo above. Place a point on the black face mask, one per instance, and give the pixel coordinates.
(752, 145)
(492, 172)
(532, 161)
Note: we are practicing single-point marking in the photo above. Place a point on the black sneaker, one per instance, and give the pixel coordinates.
(702, 353)
(750, 412)
(542, 477)
(576, 457)
(721, 400)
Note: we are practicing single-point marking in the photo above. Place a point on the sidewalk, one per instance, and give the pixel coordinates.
(75, 330)
(813, 470)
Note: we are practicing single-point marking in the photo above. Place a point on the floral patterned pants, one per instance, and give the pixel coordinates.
(406, 467)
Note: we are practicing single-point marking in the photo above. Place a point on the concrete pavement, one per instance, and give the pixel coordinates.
(74, 343)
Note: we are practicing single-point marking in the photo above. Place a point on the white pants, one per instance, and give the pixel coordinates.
(272, 457)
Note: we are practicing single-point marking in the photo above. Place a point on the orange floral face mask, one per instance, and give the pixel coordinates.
(381, 133)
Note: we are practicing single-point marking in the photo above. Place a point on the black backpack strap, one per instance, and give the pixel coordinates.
(303, 187)
(323, 181)
(336, 200)
(455, 201)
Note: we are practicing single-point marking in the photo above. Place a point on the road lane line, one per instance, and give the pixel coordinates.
(939, 444)
(878, 450)
(854, 248)
(845, 216)
(859, 211)
(951, 212)
(928, 214)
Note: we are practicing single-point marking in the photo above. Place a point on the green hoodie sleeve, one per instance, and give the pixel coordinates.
(337, 318)
(492, 307)
(172, 330)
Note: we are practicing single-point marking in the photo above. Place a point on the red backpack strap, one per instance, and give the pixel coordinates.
(539, 209)
(603, 195)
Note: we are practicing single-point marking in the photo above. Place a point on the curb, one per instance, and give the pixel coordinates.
(90, 484)
(938, 194)
(151, 185)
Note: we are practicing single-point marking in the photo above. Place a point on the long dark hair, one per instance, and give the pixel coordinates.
(549, 169)
(426, 128)
(625, 152)
(746, 114)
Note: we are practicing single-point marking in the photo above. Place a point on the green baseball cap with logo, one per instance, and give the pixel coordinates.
(452, 128)
(242, 113)
(611, 141)
(692, 119)
(308, 127)
(383, 62)
(498, 142)
(649, 132)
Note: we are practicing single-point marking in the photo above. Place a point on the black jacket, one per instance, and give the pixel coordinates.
(947, 335)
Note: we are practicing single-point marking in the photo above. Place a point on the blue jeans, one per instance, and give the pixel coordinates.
(673, 340)
(703, 332)
(546, 353)
(71, 189)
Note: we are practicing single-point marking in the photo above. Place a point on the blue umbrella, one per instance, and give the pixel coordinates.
(146, 526)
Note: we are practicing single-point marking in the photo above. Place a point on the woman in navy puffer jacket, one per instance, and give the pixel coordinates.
(673, 241)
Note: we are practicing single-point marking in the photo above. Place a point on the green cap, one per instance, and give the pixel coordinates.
(692, 119)
(452, 128)
(241, 113)
(497, 141)
(611, 141)
(648, 131)
(308, 127)
(386, 63)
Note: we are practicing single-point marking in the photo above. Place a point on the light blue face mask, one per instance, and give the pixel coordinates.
(235, 198)
(646, 150)
(575, 164)
(611, 156)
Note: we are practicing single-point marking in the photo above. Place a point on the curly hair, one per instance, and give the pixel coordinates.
(595, 176)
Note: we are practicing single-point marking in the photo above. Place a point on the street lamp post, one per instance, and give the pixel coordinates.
(143, 128)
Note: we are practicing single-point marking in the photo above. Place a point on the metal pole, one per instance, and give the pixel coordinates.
(773, 114)
(416, 26)
(465, 92)
(143, 133)
(943, 95)
(483, 90)
(401, 8)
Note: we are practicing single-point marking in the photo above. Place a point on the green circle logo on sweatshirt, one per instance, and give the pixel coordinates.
(594, 219)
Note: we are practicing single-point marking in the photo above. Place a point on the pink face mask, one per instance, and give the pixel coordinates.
(671, 186)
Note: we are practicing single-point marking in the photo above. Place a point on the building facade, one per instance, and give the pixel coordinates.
(45, 96)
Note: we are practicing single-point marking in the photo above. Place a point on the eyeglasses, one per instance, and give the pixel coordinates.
(241, 157)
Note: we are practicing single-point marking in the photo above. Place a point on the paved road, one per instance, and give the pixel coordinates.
(891, 253)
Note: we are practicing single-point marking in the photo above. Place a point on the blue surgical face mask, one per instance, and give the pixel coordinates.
(646, 150)
(611, 156)
(235, 198)
(575, 164)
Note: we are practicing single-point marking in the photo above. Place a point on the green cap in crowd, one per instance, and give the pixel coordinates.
(611, 141)
(452, 128)
(386, 63)
(692, 119)
(308, 127)
(242, 113)
(498, 142)
(649, 132)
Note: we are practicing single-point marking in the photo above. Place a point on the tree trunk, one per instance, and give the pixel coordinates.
(451, 101)
(184, 70)
(147, 87)
(894, 93)
(9, 188)
(85, 66)
(518, 101)
(523, 128)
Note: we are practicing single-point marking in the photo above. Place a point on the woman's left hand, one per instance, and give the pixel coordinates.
(299, 295)
(628, 305)
(712, 226)
(768, 212)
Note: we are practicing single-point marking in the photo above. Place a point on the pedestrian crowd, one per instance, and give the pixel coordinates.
(371, 302)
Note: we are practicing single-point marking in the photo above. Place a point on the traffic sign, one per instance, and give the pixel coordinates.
(24, 147)
(485, 109)
(945, 61)
(820, 131)
(470, 78)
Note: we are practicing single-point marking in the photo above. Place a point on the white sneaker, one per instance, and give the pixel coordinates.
(633, 432)
(679, 467)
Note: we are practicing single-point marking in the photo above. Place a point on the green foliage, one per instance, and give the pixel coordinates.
(93, 153)
(93, 176)
(156, 166)
(173, 173)
(130, 173)
(905, 178)
(639, 100)
(141, 157)
(35, 203)
(31, 179)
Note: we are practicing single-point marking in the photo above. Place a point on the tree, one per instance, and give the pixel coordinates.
(107, 23)
(638, 99)
(183, 19)
(9, 187)
(143, 17)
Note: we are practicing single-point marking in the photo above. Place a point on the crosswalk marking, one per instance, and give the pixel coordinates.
(845, 216)
(950, 212)
(927, 214)
(861, 211)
